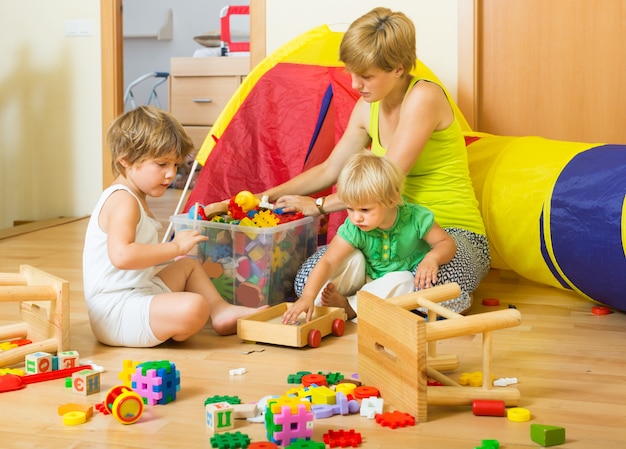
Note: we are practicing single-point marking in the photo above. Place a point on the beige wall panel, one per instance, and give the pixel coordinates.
(552, 68)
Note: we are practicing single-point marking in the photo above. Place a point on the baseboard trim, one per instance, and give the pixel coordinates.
(35, 226)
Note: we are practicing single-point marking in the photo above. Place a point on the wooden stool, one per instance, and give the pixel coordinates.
(397, 349)
(44, 310)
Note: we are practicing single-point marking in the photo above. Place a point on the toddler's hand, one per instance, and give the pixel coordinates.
(426, 274)
(186, 240)
(293, 312)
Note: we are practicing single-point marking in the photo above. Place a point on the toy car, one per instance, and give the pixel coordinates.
(266, 326)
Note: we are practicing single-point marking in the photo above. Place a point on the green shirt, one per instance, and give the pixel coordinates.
(399, 248)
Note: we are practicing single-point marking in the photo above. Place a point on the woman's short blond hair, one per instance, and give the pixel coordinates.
(383, 39)
(146, 132)
(367, 178)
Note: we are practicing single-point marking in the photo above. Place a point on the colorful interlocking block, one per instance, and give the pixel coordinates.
(128, 369)
(343, 438)
(229, 440)
(219, 398)
(287, 419)
(395, 419)
(156, 382)
(301, 443)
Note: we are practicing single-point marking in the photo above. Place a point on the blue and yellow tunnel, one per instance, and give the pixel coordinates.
(554, 211)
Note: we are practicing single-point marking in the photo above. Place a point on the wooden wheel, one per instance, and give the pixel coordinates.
(315, 338)
(339, 327)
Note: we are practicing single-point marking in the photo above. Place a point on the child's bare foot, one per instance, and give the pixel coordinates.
(224, 319)
(332, 298)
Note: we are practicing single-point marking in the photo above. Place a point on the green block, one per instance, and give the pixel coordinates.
(547, 435)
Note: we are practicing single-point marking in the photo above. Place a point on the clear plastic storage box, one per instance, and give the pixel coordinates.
(253, 266)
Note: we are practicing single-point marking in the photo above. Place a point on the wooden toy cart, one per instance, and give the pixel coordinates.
(44, 311)
(397, 350)
(266, 326)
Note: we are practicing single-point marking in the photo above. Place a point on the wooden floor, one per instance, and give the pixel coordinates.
(571, 367)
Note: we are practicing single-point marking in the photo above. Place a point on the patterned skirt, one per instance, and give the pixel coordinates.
(469, 266)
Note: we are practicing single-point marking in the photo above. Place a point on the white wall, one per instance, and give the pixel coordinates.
(50, 84)
(436, 23)
(50, 110)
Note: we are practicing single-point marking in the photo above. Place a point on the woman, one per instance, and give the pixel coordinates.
(411, 121)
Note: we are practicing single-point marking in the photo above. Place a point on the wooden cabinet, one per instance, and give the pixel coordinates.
(201, 87)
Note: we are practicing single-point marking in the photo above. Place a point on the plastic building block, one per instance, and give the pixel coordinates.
(345, 388)
(601, 310)
(343, 406)
(306, 444)
(489, 444)
(128, 369)
(297, 377)
(71, 407)
(518, 414)
(102, 408)
(547, 435)
(395, 419)
(262, 445)
(474, 379)
(505, 381)
(332, 378)
(365, 392)
(219, 416)
(265, 219)
(290, 425)
(372, 406)
(86, 382)
(488, 407)
(74, 418)
(322, 395)
(217, 398)
(237, 371)
(230, 440)
(343, 438)
(157, 382)
(491, 302)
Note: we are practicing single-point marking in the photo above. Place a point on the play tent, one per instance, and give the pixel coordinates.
(553, 210)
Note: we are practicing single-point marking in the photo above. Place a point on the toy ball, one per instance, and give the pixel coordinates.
(196, 212)
(246, 200)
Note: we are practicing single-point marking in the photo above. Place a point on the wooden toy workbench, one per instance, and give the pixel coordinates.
(266, 326)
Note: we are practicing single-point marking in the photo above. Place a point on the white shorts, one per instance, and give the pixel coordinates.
(122, 318)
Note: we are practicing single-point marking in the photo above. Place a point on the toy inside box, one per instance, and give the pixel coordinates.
(253, 266)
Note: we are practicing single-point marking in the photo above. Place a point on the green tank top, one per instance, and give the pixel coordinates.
(440, 178)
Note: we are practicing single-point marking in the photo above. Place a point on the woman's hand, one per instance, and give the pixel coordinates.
(297, 203)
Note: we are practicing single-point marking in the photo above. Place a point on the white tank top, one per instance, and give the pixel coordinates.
(99, 274)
